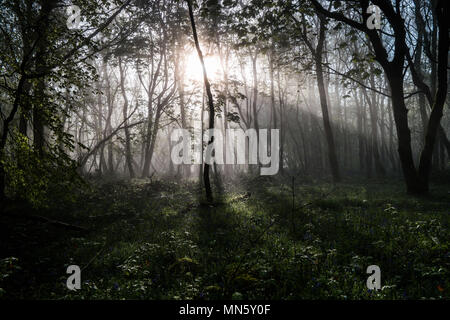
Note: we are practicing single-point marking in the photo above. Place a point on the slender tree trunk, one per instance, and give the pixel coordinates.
(128, 156)
(359, 124)
(367, 145)
(206, 180)
(38, 118)
(324, 106)
(99, 127)
(379, 169)
(148, 139)
(5, 133)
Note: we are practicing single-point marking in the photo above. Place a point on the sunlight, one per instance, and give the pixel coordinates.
(194, 68)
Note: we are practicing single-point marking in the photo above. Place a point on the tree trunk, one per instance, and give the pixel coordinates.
(206, 180)
(442, 13)
(128, 156)
(324, 106)
(395, 78)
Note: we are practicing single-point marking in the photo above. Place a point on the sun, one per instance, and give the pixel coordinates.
(194, 71)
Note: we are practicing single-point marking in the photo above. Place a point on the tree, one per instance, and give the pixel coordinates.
(51, 61)
(417, 180)
(318, 52)
(206, 169)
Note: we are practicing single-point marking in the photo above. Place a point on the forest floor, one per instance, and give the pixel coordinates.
(262, 240)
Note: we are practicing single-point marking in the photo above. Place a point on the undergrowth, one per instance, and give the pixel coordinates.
(262, 240)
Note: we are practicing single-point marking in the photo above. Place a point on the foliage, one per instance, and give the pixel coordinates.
(7, 267)
(149, 241)
(36, 178)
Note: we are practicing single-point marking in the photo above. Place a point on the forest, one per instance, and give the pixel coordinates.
(224, 150)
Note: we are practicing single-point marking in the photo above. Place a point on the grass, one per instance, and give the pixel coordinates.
(158, 241)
